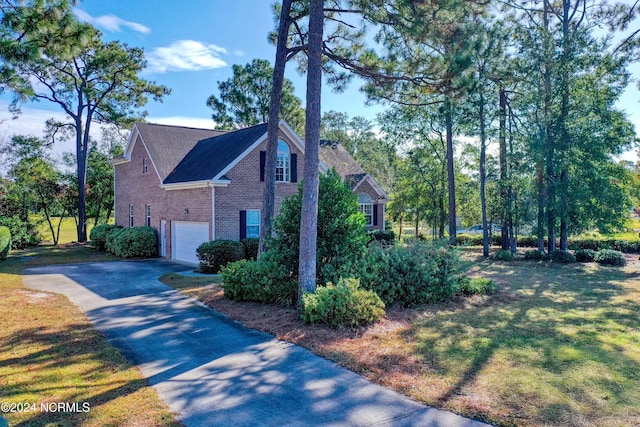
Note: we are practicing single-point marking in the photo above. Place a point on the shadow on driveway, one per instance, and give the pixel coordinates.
(210, 370)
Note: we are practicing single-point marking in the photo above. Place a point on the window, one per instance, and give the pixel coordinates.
(145, 165)
(283, 166)
(148, 212)
(130, 215)
(366, 207)
(253, 223)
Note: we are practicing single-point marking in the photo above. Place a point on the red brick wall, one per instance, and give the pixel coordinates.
(246, 190)
(132, 186)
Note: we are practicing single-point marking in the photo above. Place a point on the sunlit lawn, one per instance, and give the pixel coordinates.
(557, 345)
(49, 353)
(68, 229)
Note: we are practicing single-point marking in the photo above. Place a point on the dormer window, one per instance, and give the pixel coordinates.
(145, 165)
(283, 165)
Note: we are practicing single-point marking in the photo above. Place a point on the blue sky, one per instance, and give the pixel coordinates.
(191, 45)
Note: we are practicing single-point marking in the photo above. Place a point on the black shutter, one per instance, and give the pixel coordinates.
(375, 214)
(243, 225)
(294, 167)
(263, 159)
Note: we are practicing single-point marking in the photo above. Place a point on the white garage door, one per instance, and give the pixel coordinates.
(187, 236)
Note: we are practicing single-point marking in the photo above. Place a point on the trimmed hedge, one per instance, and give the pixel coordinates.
(265, 280)
(99, 234)
(535, 255)
(138, 242)
(344, 304)
(386, 237)
(564, 257)
(610, 257)
(503, 255)
(23, 233)
(216, 254)
(5, 242)
(585, 255)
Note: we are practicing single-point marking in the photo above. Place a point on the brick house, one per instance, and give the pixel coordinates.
(195, 185)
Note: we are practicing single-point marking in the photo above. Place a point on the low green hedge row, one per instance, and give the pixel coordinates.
(134, 242)
(5, 242)
(626, 246)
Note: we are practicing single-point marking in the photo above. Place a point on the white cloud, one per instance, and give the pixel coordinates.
(185, 55)
(110, 22)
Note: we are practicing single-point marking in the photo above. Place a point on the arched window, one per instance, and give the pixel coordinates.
(366, 207)
(283, 166)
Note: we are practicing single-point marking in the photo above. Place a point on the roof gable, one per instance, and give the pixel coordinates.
(212, 156)
(334, 155)
(167, 145)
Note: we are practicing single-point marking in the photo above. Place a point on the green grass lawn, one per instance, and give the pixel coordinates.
(49, 353)
(556, 345)
(68, 230)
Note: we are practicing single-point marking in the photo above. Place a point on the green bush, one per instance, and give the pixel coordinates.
(585, 255)
(265, 280)
(250, 247)
(5, 242)
(23, 233)
(386, 237)
(593, 244)
(217, 253)
(342, 239)
(626, 246)
(528, 242)
(133, 242)
(564, 257)
(477, 286)
(99, 234)
(503, 255)
(535, 255)
(413, 273)
(610, 257)
(344, 304)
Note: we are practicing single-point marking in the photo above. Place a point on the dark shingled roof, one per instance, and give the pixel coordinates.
(168, 145)
(335, 156)
(211, 155)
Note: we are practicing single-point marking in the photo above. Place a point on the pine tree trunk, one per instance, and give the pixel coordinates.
(451, 180)
(309, 215)
(271, 158)
(483, 178)
(502, 141)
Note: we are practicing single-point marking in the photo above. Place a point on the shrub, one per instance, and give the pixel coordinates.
(386, 237)
(344, 304)
(342, 239)
(133, 242)
(217, 253)
(477, 286)
(626, 246)
(250, 247)
(503, 255)
(610, 257)
(593, 244)
(415, 273)
(23, 233)
(99, 234)
(469, 240)
(585, 255)
(265, 280)
(528, 242)
(5, 242)
(564, 257)
(535, 255)
(111, 241)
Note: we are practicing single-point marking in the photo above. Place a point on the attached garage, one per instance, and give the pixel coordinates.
(185, 239)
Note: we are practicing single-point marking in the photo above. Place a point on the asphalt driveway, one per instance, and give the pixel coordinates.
(210, 370)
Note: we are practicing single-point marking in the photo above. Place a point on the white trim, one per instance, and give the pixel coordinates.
(213, 213)
(135, 132)
(206, 183)
(119, 161)
(244, 154)
(383, 206)
(375, 186)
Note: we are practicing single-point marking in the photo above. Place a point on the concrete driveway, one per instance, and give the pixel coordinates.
(210, 370)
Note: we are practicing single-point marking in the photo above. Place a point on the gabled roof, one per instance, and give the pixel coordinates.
(168, 145)
(210, 156)
(336, 156)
